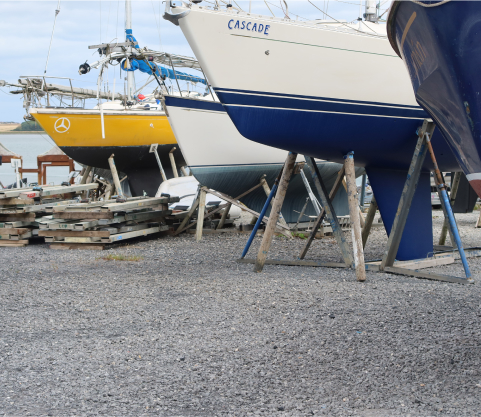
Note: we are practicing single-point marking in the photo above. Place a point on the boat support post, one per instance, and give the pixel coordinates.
(115, 176)
(448, 210)
(301, 214)
(369, 220)
(267, 190)
(323, 213)
(454, 191)
(276, 208)
(355, 216)
(407, 195)
(172, 162)
(153, 149)
(200, 214)
(329, 209)
(262, 214)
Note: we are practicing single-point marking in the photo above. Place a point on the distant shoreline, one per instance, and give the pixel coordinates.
(21, 132)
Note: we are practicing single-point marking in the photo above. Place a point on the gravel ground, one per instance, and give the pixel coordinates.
(186, 331)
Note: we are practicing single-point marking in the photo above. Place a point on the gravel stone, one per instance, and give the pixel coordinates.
(187, 331)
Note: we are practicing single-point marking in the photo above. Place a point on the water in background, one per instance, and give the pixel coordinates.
(29, 146)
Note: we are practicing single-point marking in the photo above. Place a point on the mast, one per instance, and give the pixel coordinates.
(128, 31)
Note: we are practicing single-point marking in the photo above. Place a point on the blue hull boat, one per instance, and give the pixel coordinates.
(440, 43)
(321, 90)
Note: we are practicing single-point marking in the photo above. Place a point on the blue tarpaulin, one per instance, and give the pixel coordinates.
(160, 71)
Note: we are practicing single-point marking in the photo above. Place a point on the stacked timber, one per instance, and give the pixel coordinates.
(22, 209)
(99, 225)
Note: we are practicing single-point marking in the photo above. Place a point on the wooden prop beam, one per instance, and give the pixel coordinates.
(275, 211)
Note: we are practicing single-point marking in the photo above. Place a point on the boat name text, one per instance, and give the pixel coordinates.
(242, 24)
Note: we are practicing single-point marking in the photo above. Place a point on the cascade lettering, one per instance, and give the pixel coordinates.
(242, 24)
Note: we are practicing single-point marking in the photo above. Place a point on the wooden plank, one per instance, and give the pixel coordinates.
(13, 242)
(15, 201)
(12, 217)
(73, 239)
(23, 236)
(67, 246)
(82, 215)
(85, 224)
(296, 263)
(427, 275)
(137, 233)
(13, 231)
(148, 202)
(17, 224)
(74, 233)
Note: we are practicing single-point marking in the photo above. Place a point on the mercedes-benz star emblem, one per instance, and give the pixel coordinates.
(62, 125)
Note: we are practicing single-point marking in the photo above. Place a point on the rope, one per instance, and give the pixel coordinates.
(57, 11)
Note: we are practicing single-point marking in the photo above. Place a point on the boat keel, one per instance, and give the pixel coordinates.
(417, 238)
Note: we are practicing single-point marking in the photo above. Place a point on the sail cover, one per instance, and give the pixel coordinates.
(160, 71)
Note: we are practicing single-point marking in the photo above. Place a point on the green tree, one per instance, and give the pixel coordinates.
(28, 127)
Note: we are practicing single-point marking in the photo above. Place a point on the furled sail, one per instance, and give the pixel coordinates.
(160, 71)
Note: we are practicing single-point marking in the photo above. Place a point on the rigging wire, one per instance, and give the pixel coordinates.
(269, 8)
(341, 23)
(157, 24)
(57, 11)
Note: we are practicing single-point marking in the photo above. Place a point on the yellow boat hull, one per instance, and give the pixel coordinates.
(128, 135)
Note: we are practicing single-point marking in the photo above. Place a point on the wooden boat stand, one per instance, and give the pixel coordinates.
(355, 258)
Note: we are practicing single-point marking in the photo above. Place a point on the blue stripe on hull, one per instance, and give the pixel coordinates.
(194, 103)
(377, 141)
(324, 105)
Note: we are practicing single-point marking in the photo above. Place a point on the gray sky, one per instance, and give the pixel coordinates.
(27, 27)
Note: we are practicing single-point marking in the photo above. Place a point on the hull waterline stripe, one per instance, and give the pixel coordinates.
(316, 46)
(325, 111)
(358, 103)
(340, 100)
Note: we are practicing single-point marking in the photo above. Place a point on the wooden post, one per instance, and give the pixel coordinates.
(267, 190)
(369, 220)
(478, 223)
(172, 161)
(361, 214)
(330, 212)
(354, 214)
(115, 175)
(301, 214)
(454, 190)
(200, 214)
(276, 209)
(322, 214)
(224, 217)
(193, 207)
(407, 195)
(71, 165)
(184, 172)
(85, 175)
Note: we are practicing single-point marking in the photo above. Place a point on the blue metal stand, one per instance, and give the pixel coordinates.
(259, 220)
